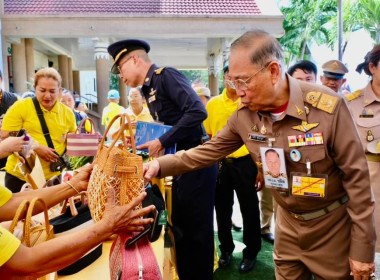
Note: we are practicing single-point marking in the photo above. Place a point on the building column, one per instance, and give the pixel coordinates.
(102, 74)
(6, 66)
(213, 74)
(70, 73)
(123, 94)
(226, 49)
(29, 55)
(63, 70)
(19, 67)
(76, 81)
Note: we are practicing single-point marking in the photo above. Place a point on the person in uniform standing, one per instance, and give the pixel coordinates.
(365, 108)
(324, 226)
(333, 75)
(237, 172)
(172, 101)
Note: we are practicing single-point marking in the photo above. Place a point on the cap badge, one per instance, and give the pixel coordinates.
(334, 66)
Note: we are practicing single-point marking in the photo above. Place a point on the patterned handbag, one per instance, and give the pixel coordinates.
(133, 262)
(82, 143)
(115, 167)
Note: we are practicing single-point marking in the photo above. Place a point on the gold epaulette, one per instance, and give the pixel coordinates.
(354, 95)
(322, 101)
(159, 70)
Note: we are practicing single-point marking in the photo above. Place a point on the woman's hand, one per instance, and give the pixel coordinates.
(125, 218)
(46, 153)
(81, 177)
(12, 144)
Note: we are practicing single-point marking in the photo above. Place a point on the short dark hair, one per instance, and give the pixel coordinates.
(304, 65)
(271, 151)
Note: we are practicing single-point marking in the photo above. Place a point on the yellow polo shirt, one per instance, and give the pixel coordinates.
(60, 121)
(219, 109)
(110, 111)
(8, 242)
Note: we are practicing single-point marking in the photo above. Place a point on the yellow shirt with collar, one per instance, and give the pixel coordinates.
(110, 111)
(219, 109)
(60, 121)
(8, 242)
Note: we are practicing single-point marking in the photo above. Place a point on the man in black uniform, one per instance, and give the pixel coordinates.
(6, 101)
(172, 101)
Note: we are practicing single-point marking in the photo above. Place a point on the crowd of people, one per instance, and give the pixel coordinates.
(271, 136)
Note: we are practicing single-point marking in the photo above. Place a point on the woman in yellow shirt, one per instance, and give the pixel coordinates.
(59, 119)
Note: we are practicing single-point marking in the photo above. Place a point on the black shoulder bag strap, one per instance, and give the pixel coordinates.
(45, 129)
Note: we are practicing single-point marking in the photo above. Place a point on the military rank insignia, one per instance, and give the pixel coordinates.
(307, 139)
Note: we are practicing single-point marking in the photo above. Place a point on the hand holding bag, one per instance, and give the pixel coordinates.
(76, 217)
(33, 235)
(83, 144)
(115, 167)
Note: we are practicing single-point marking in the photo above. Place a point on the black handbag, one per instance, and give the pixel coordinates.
(153, 231)
(67, 222)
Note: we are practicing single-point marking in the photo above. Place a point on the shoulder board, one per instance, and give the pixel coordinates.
(354, 95)
(159, 70)
(322, 101)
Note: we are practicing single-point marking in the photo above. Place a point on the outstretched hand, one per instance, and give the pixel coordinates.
(151, 169)
(81, 177)
(125, 218)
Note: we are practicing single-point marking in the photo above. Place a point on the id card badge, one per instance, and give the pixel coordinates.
(308, 185)
(274, 168)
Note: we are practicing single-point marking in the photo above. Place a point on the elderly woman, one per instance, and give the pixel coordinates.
(365, 109)
(59, 119)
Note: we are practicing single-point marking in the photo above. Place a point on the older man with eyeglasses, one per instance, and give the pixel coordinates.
(324, 219)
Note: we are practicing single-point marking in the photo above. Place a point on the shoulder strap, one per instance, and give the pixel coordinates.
(44, 127)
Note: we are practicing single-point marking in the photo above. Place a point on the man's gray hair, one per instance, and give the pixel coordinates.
(263, 47)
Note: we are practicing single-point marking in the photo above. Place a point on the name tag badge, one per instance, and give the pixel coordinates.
(304, 185)
(274, 168)
(256, 137)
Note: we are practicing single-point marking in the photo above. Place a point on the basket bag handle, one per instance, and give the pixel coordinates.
(120, 134)
(82, 123)
(21, 209)
(28, 219)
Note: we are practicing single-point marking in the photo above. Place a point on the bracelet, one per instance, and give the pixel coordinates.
(71, 185)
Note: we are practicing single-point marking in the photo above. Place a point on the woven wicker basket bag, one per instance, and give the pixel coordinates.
(116, 167)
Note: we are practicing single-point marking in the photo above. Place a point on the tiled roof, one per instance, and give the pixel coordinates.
(165, 7)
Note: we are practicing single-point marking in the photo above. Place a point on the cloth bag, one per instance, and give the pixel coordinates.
(83, 144)
(34, 235)
(76, 217)
(115, 167)
(133, 262)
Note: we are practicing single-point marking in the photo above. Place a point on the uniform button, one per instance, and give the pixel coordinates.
(277, 134)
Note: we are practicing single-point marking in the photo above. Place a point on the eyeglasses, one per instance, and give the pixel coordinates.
(121, 65)
(242, 84)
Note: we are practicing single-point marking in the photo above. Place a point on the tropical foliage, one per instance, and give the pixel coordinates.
(316, 22)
